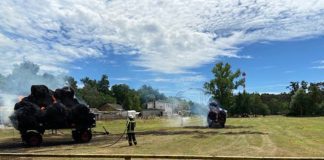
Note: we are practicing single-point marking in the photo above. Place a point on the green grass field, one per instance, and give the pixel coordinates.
(261, 136)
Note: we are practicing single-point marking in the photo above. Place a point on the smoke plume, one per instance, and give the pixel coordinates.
(18, 82)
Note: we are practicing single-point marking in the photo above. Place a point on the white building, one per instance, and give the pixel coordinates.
(166, 107)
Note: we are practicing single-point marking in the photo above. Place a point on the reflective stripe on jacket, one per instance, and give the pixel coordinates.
(131, 126)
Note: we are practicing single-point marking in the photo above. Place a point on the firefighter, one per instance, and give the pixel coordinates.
(131, 124)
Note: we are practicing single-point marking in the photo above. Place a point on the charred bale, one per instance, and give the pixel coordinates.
(56, 116)
(27, 116)
(40, 95)
(81, 116)
(65, 95)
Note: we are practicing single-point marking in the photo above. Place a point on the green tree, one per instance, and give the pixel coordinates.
(299, 103)
(294, 86)
(94, 98)
(72, 82)
(103, 84)
(241, 105)
(126, 97)
(223, 84)
(315, 93)
(304, 85)
(95, 92)
(257, 106)
(148, 94)
(89, 82)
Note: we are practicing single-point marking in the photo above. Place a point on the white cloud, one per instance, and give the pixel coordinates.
(121, 79)
(165, 36)
(320, 64)
(318, 67)
(178, 79)
(289, 71)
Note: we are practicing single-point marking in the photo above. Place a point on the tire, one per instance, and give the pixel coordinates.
(82, 136)
(86, 136)
(32, 138)
(222, 125)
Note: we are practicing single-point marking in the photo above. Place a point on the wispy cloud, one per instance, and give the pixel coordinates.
(320, 64)
(269, 86)
(121, 79)
(163, 36)
(178, 79)
(289, 71)
(318, 67)
(266, 67)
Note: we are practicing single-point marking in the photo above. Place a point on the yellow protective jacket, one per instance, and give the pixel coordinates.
(131, 124)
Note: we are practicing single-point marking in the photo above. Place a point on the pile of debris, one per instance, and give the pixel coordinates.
(47, 109)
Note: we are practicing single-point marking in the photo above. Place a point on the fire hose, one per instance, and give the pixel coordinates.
(117, 139)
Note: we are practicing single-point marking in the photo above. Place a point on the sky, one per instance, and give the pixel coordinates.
(171, 45)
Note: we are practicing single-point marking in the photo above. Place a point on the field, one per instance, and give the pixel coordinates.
(260, 136)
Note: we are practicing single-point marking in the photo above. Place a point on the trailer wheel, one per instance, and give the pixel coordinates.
(82, 136)
(222, 124)
(76, 136)
(86, 136)
(32, 138)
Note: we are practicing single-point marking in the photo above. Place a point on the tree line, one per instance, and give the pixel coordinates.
(304, 98)
(97, 93)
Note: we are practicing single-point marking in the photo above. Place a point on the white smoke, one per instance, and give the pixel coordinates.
(190, 102)
(6, 107)
(18, 84)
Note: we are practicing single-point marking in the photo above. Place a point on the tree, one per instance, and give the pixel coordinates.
(72, 82)
(103, 84)
(148, 94)
(257, 106)
(294, 86)
(126, 97)
(223, 84)
(96, 93)
(303, 85)
(241, 105)
(94, 98)
(315, 93)
(299, 103)
(89, 82)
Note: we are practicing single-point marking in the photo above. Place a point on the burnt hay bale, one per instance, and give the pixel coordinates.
(56, 116)
(65, 95)
(65, 113)
(40, 95)
(27, 116)
(80, 114)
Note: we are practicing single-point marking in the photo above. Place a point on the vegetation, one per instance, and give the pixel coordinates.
(304, 99)
(261, 136)
(222, 86)
(98, 93)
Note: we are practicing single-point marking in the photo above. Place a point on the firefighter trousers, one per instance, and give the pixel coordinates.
(131, 138)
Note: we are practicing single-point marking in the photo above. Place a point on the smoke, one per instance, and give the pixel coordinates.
(7, 102)
(191, 102)
(200, 110)
(18, 83)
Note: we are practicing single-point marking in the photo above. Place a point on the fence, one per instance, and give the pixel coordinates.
(145, 156)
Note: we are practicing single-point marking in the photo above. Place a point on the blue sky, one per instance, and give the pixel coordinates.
(170, 45)
(269, 70)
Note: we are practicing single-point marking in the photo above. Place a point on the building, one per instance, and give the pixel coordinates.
(167, 108)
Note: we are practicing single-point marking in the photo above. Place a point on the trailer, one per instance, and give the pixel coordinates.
(216, 117)
(44, 110)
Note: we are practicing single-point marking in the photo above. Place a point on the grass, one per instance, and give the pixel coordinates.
(261, 136)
